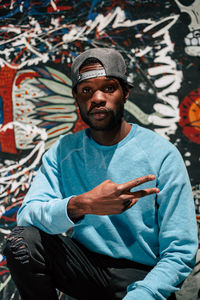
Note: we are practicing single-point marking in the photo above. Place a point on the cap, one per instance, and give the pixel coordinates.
(112, 61)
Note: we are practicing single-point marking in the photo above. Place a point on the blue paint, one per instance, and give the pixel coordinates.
(74, 54)
(1, 110)
(10, 226)
(19, 6)
(11, 211)
(25, 7)
(91, 14)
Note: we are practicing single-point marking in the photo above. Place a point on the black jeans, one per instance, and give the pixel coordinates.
(41, 263)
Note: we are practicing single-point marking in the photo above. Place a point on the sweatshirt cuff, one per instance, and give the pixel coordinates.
(60, 221)
(141, 293)
(66, 211)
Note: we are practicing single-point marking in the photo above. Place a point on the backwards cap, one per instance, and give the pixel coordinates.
(111, 60)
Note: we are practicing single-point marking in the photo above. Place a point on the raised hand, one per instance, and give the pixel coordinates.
(109, 198)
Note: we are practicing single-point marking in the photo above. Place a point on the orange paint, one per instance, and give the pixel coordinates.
(190, 116)
(57, 130)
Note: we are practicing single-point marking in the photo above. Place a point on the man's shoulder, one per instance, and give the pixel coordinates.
(155, 145)
(156, 148)
(150, 138)
(67, 142)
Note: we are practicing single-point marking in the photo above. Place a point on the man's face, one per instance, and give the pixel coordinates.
(100, 100)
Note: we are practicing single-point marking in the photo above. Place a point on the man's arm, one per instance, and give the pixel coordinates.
(177, 234)
(42, 206)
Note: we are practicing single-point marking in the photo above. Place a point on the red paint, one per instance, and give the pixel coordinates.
(80, 124)
(19, 55)
(5, 271)
(57, 130)
(190, 116)
(50, 9)
(7, 138)
(9, 219)
(23, 76)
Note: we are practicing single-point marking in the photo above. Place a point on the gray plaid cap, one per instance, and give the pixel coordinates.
(112, 61)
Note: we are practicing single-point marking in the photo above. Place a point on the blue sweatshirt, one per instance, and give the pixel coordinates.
(159, 230)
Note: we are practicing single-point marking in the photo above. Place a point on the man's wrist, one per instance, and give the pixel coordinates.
(75, 209)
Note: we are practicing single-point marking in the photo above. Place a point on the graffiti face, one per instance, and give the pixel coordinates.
(192, 40)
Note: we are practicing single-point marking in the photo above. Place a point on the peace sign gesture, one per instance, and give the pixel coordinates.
(109, 198)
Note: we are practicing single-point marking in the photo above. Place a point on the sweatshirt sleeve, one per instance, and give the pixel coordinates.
(44, 205)
(178, 240)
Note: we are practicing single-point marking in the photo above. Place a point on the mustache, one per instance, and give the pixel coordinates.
(97, 109)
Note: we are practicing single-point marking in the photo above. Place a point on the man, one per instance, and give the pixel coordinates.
(122, 247)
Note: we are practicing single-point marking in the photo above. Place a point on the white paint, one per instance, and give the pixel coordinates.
(19, 178)
(38, 36)
(54, 5)
(164, 29)
(167, 114)
(137, 112)
(187, 163)
(2, 211)
(194, 13)
(11, 4)
(187, 154)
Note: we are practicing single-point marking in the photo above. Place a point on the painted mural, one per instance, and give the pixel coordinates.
(160, 41)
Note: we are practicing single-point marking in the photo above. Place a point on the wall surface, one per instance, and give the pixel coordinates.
(160, 41)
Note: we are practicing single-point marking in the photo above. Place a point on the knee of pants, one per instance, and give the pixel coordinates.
(19, 244)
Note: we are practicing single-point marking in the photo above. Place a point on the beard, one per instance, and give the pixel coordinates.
(115, 119)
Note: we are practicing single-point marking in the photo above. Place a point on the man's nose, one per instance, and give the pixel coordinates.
(98, 96)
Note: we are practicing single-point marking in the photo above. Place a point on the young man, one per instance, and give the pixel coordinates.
(122, 247)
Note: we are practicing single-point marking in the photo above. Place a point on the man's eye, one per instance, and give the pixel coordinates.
(86, 90)
(110, 89)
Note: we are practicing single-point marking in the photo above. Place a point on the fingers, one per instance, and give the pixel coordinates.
(135, 182)
(130, 203)
(139, 194)
(131, 198)
(145, 192)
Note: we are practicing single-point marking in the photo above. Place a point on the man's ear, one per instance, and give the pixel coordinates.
(126, 96)
(74, 94)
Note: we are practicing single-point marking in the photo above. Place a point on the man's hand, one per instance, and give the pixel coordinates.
(109, 198)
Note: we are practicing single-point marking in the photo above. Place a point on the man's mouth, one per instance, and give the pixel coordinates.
(99, 113)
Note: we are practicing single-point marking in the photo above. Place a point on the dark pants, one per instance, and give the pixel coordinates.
(41, 263)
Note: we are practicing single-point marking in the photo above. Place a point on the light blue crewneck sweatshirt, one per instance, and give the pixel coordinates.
(159, 230)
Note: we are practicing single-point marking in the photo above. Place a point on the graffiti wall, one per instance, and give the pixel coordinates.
(160, 41)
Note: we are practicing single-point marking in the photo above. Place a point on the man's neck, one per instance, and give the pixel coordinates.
(113, 136)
